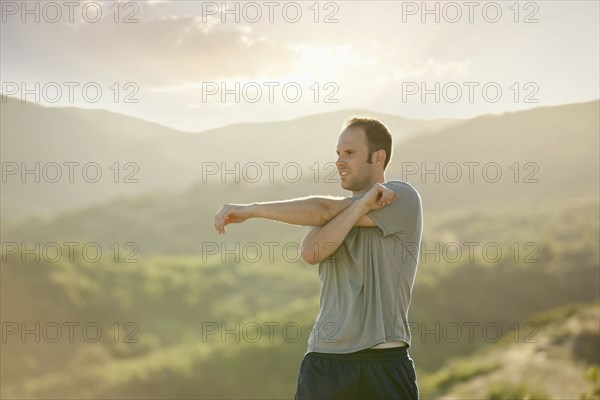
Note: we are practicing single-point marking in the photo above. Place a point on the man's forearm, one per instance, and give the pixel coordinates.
(322, 241)
(308, 211)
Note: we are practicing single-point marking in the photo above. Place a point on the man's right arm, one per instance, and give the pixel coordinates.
(307, 211)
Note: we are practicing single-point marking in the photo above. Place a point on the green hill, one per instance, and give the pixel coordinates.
(180, 310)
(557, 356)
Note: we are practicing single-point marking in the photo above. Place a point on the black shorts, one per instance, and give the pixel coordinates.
(366, 374)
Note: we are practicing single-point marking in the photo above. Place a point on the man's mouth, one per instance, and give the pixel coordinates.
(344, 173)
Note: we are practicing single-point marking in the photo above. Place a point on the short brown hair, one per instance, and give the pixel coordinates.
(378, 136)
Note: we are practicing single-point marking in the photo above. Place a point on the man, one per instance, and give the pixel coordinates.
(367, 249)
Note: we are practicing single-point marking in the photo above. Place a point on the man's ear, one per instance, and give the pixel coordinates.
(380, 156)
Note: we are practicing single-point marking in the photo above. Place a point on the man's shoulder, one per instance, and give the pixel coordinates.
(401, 187)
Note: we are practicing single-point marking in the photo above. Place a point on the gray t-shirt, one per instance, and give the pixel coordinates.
(366, 284)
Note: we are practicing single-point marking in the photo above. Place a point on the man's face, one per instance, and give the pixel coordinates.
(356, 173)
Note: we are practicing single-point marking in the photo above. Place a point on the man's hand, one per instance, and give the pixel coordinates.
(377, 197)
(231, 214)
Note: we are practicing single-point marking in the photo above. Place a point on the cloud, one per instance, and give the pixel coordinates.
(154, 3)
(433, 69)
(160, 51)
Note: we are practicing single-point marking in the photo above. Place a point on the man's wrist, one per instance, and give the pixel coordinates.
(363, 205)
(252, 209)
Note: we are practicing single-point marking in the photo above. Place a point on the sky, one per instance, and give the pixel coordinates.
(197, 65)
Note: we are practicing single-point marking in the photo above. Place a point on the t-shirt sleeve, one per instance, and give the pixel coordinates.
(403, 215)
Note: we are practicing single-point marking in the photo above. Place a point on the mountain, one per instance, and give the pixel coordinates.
(523, 157)
(488, 161)
(134, 156)
(552, 151)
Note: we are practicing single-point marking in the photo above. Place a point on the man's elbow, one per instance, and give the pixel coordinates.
(324, 214)
(308, 254)
(309, 258)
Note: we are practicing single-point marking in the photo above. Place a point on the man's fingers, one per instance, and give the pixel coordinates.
(388, 197)
(384, 196)
(219, 222)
